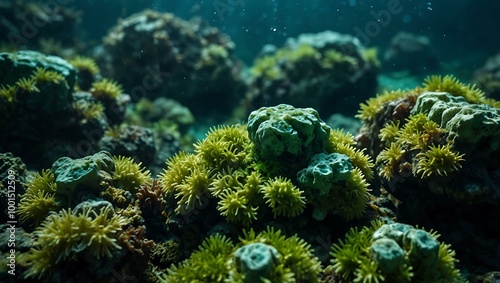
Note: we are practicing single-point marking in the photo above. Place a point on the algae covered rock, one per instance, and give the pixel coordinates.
(285, 133)
(327, 71)
(157, 54)
(86, 171)
(469, 123)
(23, 63)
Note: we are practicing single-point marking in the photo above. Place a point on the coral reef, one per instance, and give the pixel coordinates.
(394, 253)
(43, 26)
(314, 70)
(439, 140)
(268, 256)
(411, 53)
(189, 61)
(38, 90)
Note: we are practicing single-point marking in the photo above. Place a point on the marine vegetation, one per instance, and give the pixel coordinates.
(394, 253)
(69, 234)
(130, 175)
(267, 167)
(39, 199)
(420, 146)
(106, 89)
(265, 257)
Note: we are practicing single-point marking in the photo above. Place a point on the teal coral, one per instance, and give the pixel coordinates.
(71, 173)
(218, 260)
(284, 133)
(394, 253)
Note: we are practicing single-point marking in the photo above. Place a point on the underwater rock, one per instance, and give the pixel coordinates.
(86, 171)
(133, 141)
(327, 71)
(50, 119)
(23, 63)
(40, 25)
(159, 54)
(487, 78)
(436, 149)
(409, 52)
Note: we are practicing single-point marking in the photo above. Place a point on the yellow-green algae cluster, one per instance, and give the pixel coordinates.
(394, 252)
(252, 170)
(218, 259)
(427, 127)
(81, 210)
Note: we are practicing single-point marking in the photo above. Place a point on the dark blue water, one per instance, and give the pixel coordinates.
(454, 27)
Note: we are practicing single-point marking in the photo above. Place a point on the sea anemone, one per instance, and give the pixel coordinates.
(66, 234)
(235, 207)
(130, 175)
(42, 75)
(283, 197)
(438, 160)
(106, 89)
(39, 199)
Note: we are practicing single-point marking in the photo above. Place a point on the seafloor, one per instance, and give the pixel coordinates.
(157, 155)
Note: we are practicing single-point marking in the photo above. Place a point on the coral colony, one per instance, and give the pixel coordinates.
(104, 181)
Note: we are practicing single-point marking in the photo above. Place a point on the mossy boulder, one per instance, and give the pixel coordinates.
(469, 123)
(86, 171)
(284, 133)
(23, 63)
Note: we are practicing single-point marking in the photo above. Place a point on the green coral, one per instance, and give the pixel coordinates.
(86, 171)
(219, 260)
(394, 253)
(332, 184)
(287, 134)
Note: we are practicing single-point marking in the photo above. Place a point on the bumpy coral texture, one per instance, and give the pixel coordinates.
(218, 260)
(394, 253)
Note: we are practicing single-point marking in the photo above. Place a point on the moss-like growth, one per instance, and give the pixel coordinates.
(394, 253)
(419, 147)
(453, 86)
(65, 235)
(106, 89)
(217, 261)
(283, 197)
(39, 199)
(130, 175)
